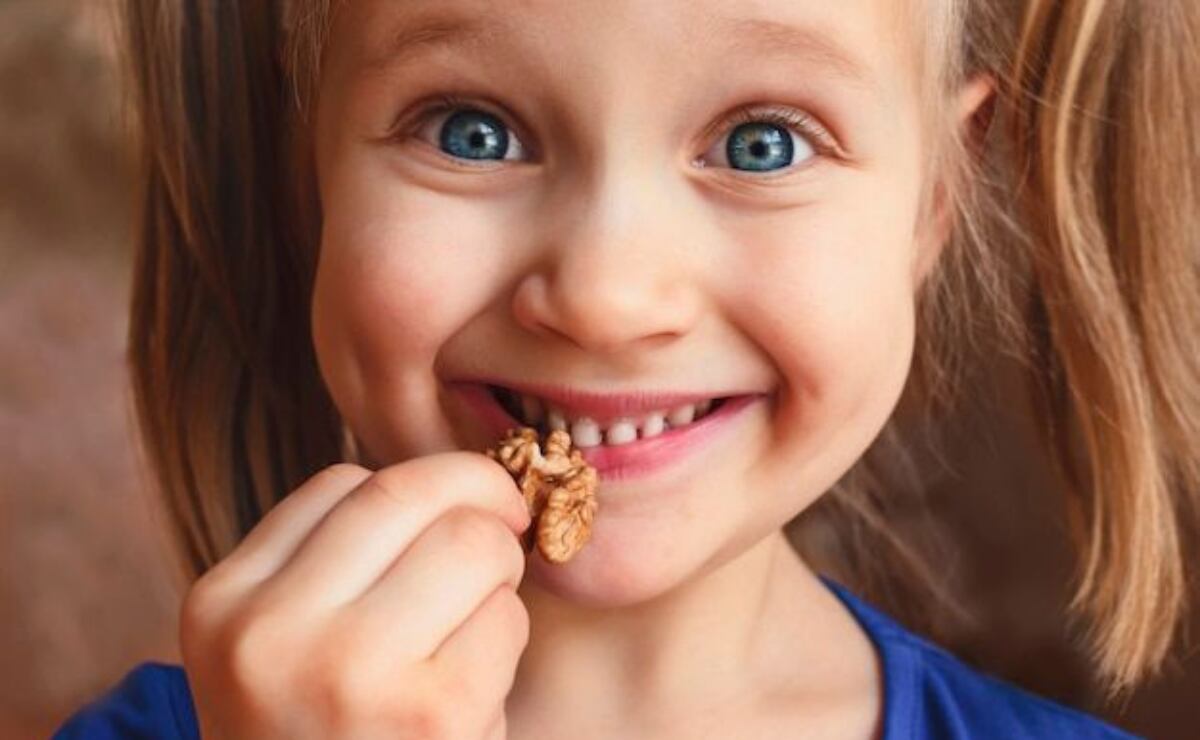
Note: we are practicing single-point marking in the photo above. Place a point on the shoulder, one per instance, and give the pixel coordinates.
(151, 701)
(929, 693)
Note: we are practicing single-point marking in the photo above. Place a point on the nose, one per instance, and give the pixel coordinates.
(616, 272)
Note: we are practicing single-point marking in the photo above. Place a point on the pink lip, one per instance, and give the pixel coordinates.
(601, 407)
(636, 459)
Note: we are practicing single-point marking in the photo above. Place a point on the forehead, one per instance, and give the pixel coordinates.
(859, 43)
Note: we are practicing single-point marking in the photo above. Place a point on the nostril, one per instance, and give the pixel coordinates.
(604, 309)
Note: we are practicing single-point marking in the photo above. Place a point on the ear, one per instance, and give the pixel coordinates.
(973, 112)
(976, 106)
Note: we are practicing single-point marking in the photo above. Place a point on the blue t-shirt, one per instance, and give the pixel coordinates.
(928, 693)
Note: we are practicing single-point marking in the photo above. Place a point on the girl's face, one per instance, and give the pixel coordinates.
(678, 196)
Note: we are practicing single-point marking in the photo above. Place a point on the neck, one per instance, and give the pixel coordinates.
(729, 634)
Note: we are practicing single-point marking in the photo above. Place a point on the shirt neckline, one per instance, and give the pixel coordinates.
(896, 674)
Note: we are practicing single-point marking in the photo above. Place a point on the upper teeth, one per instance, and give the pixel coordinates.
(586, 432)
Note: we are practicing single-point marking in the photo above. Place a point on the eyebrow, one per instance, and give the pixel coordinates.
(753, 36)
(432, 32)
(747, 36)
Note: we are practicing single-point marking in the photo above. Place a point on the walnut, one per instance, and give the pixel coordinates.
(559, 488)
(516, 449)
(566, 521)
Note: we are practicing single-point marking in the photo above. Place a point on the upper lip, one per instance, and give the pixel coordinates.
(600, 407)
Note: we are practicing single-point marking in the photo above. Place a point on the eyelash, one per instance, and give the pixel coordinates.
(823, 142)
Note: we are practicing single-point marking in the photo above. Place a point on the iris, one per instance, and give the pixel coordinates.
(473, 134)
(759, 147)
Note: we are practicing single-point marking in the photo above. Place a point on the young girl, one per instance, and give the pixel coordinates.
(383, 232)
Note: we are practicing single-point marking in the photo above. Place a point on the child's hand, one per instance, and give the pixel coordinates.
(366, 605)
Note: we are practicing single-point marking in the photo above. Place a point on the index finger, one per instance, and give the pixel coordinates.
(280, 531)
(370, 527)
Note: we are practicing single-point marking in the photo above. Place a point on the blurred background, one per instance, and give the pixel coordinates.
(88, 586)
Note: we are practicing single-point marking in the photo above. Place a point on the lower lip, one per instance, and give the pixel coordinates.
(633, 460)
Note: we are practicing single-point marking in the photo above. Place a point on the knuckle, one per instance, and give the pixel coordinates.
(337, 696)
(341, 476)
(448, 706)
(381, 490)
(197, 607)
(251, 649)
(516, 555)
(514, 614)
(475, 533)
(428, 713)
(343, 471)
(423, 721)
(201, 611)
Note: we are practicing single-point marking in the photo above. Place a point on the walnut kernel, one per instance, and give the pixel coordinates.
(559, 488)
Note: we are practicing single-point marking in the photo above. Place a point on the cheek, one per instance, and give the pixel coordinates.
(829, 296)
(399, 273)
(403, 275)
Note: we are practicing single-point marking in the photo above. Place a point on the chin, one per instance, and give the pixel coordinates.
(618, 567)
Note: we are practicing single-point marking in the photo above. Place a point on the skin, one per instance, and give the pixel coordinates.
(605, 258)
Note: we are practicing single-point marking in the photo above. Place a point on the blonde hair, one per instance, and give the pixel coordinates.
(1074, 250)
(1091, 196)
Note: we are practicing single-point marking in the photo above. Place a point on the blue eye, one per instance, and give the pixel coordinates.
(466, 132)
(765, 140)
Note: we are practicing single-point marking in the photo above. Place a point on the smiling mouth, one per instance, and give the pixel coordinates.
(592, 431)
